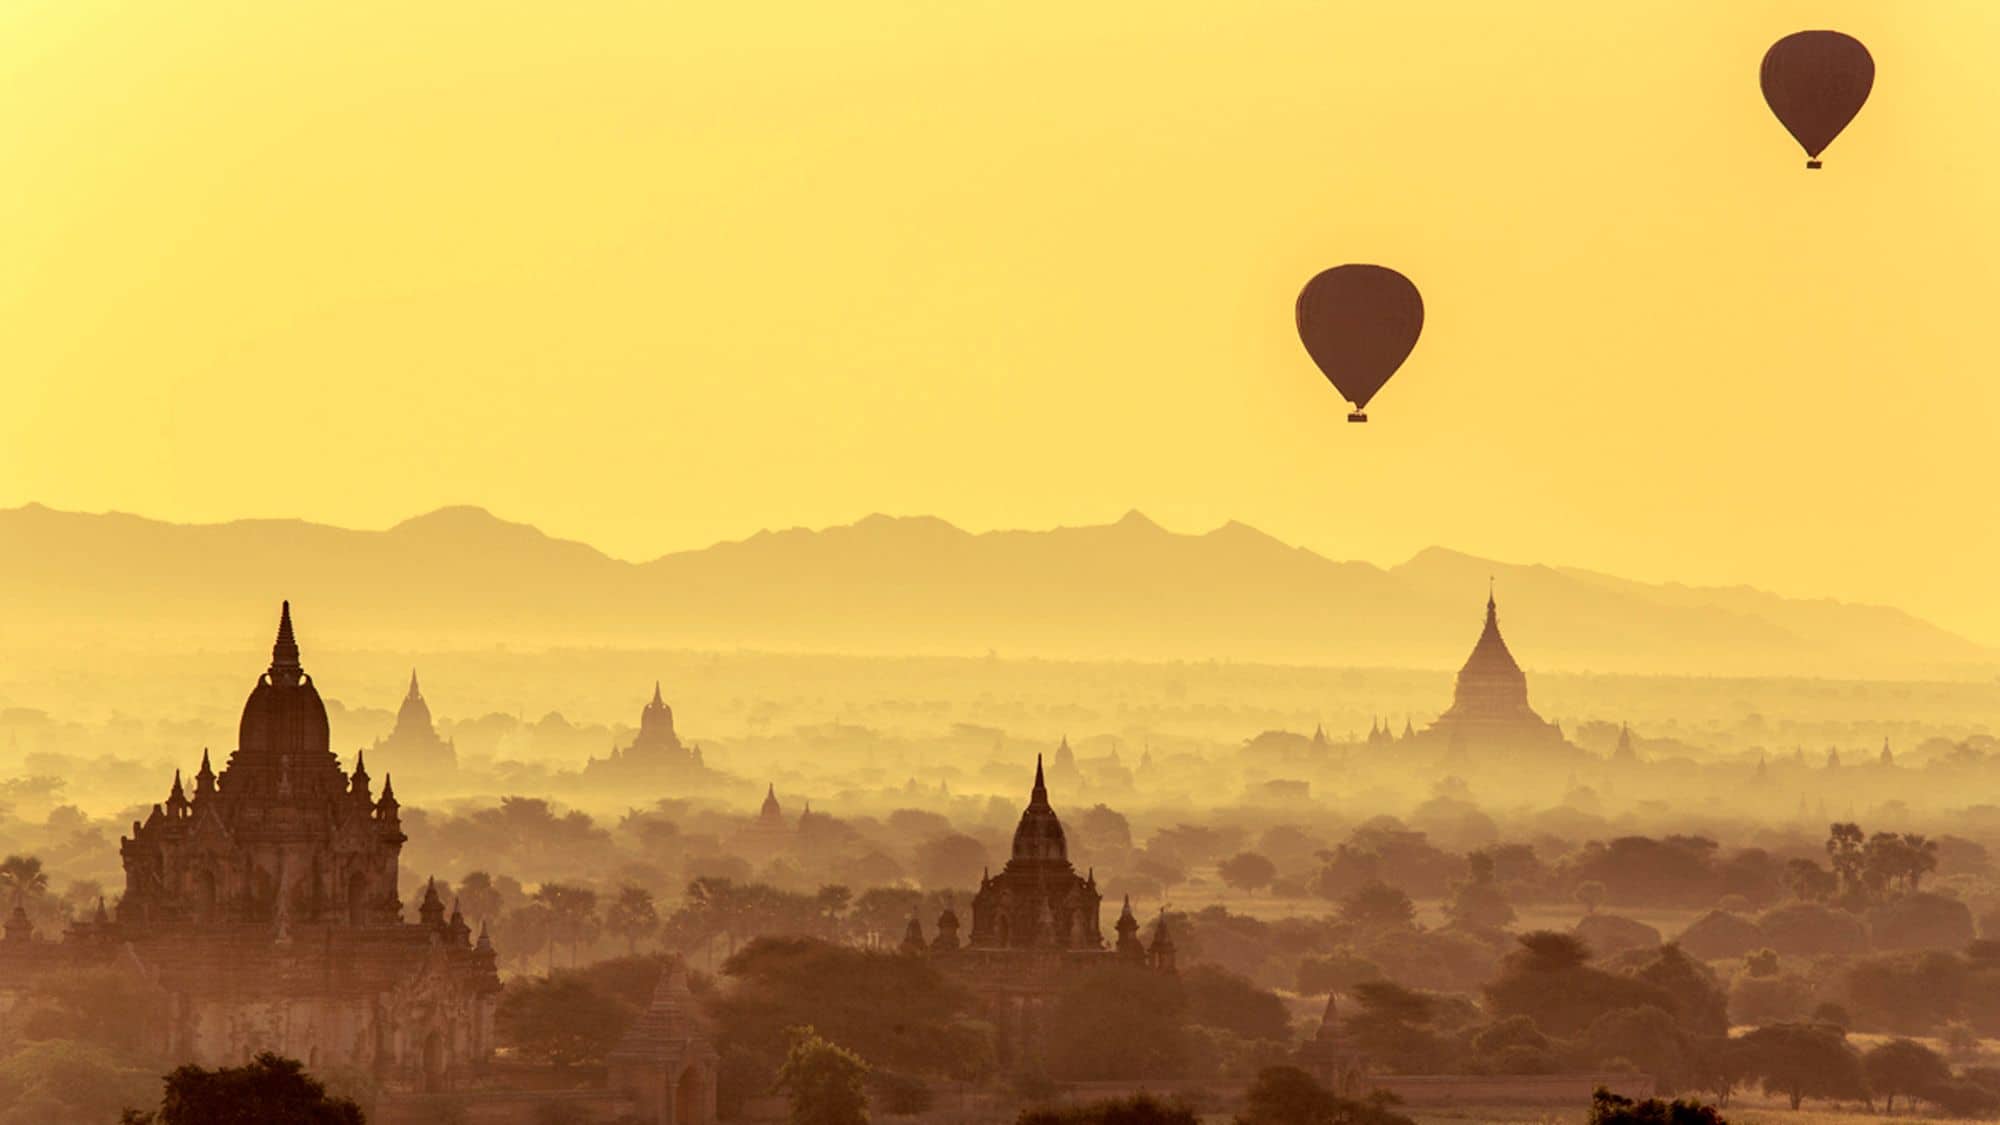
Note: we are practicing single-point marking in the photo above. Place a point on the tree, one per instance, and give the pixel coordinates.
(267, 1091)
(1219, 998)
(1921, 920)
(1118, 1022)
(1804, 1061)
(827, 1084)
(1286, 1095)
(1139, 1109)
(953, 860)
(1549, 980)
(1844, 848)
(560, 1020)
(1590, 893)
(63, 1080)
(1648, 1038)
(1903, 1066)
(1378, 906)
(1103, 828)
(883, 911)
(480, 897)
(632, 916)
(780, 983)
(1477, 903)
(1392, 1024)
(526, 931)
(572, 914)
(1339, 971)
(22, 876)
(1248, 871)
(1699, 1003)
(1890, 860)
(1809, 882)
(1607, 1108)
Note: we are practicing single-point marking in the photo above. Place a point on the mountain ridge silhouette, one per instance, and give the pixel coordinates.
(461, 577)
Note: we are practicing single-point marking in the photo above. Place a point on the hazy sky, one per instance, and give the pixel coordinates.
(655, 274)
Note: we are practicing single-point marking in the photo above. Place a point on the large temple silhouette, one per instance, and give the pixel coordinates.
(261, 912)
(1489, 707)
(1033, 924)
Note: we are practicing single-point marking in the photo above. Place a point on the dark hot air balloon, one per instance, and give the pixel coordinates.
(1359, 323)
(1816, 81)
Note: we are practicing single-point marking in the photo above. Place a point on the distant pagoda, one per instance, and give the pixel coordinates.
(656, 753)
(1489, 707)
(414, 748)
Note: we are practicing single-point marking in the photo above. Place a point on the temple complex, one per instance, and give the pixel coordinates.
(1489, 707)
(656, 753)
(262, 911)
(1038, 901)
(1032, 924)
(666, 1059)
(414, 748)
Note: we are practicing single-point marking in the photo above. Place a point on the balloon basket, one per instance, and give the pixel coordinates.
(1357, 416)
(1812, 163)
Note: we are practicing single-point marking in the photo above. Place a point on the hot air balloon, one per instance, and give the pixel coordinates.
(1816, 81)
(1359, 323)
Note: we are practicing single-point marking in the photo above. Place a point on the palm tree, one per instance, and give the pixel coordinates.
(21, 876)
(632, 916)
(572, 908)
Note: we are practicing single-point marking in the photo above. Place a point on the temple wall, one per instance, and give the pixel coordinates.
(501, 1107)
(319, 1031)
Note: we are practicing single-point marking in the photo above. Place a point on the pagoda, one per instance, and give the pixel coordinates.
(261, 911)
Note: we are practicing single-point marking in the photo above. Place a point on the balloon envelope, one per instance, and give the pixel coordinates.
(1359, 323)
(1816, 81)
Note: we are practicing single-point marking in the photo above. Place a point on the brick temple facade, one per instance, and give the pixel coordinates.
(262, 913)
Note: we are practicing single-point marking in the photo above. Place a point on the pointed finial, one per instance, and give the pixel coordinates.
(657, 700)
(414, 692)
(1040, 795)
(285, 651)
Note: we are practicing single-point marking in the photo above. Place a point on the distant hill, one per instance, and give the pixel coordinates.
(461, 577)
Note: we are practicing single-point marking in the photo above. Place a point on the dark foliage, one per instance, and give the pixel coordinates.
(269, 1090)
(1286, 1095)
(1141, 1109)
(1607, 1108)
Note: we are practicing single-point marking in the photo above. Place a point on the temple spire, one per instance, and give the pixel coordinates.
(285, 651)
(414, 692)
(1040, 794)
(658, 701)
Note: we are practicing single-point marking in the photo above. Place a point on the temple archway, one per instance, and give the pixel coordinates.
(691, 1098)
(205, 895)
(434, 1063)
(357, 898)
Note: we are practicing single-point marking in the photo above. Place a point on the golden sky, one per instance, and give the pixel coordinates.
(655, 274)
